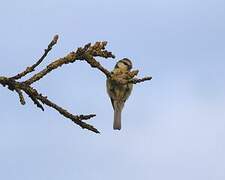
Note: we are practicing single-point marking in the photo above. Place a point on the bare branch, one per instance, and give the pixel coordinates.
(136, 80)
(32, 68)
(36, 97)
(87, 53)
(95, 64)
(70, 58)
(65, 113)
(30, 92)
(128, 78)
(22, 101)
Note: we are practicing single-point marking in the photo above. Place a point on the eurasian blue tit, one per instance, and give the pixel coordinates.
(119, 93)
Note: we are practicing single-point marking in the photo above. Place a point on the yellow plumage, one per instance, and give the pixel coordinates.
(118, 93)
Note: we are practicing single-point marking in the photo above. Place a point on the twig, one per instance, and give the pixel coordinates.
(70, 58)
(86, 53)
(136, 80)
(36, 97)
(95, 64)
(22, 101)
(32, 94)
(32, 68)
(65, 113)
(128, 78)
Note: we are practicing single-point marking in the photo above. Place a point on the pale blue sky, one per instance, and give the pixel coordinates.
(173, 126)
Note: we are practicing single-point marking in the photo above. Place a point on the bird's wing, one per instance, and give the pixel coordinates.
(112, 102)
(127, 92)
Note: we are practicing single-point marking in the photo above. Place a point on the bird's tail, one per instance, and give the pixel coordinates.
(117, 115)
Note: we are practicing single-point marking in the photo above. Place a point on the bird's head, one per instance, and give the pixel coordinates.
(124, 64)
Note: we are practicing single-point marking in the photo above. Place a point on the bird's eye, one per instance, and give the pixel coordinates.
(126, 63)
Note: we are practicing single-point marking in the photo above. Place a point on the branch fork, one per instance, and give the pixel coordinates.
(87, 53)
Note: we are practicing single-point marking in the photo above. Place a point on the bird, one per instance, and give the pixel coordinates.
(119, 93)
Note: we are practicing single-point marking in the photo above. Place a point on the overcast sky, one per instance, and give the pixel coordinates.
(173, 127)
